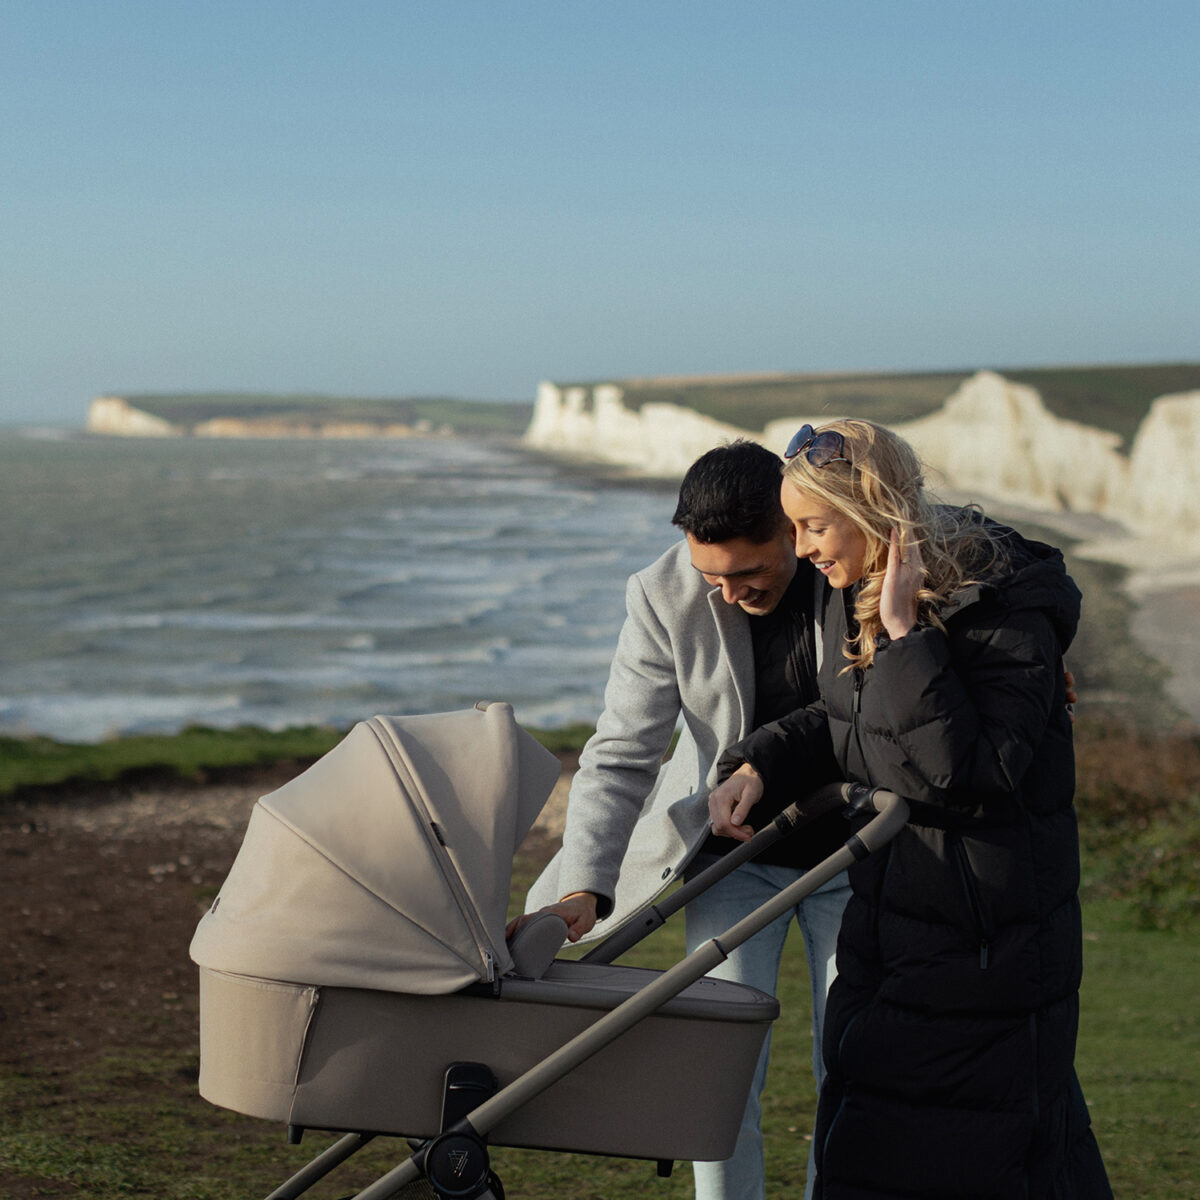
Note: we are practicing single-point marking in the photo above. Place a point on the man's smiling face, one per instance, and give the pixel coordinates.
(752, 575)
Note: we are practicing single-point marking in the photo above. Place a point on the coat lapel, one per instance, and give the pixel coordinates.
(736, 658)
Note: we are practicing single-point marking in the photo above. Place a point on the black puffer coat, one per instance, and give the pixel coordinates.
(950, 1031)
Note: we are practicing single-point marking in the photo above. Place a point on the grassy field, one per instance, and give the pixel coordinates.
(750, 404)
(135, 1126)
(198, 754)
(1113, 398)
(121, 1116)
(1139, 1050)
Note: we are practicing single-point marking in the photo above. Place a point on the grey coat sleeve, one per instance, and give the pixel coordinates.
(620, 764)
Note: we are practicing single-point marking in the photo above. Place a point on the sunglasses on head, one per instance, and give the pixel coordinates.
(819, 448)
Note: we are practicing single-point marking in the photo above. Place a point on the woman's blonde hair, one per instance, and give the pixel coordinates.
(882, 488)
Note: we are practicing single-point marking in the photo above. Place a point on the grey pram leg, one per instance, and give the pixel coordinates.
(467, 1084)
(320, 1166)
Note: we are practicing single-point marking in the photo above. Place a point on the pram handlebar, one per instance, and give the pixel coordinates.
(890, 814)
(794, 817)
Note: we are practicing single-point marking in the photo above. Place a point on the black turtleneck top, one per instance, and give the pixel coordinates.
(785, 678)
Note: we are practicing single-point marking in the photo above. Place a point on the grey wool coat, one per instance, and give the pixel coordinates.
(634, 822)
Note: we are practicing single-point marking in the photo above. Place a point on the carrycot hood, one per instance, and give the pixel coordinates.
(387, 864)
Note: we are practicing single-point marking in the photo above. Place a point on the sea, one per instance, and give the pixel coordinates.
(154, 584)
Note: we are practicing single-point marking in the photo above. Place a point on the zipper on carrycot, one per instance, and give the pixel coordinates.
(438, 844)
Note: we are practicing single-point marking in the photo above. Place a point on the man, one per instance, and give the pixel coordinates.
(720, 631)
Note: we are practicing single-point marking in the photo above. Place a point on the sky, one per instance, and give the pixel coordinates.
(385, 198)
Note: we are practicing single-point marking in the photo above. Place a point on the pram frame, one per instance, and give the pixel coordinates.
(888, 814)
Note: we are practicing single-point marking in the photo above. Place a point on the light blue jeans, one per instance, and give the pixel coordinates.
(756, 962)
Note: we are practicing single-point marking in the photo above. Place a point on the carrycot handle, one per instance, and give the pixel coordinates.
(653, 915)
(854, 799)
(888, 813)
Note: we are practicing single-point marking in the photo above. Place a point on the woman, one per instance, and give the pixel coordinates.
(950, 1030)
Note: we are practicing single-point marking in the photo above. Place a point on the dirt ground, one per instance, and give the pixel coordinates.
(101, 891)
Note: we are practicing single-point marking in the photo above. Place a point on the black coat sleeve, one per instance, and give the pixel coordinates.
(797, 744)
(942, 718)
(957, 717)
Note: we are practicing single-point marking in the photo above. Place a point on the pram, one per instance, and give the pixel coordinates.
(355, 978)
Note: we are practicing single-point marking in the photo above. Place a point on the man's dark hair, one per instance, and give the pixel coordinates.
(732, 492)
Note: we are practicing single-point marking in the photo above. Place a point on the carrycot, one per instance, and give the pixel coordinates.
(356, 951)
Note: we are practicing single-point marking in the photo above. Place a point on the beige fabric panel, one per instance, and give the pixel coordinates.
(286, 912)
(387, 864)
(252, 1036)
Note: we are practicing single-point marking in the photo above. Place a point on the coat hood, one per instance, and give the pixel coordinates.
(1036, 578)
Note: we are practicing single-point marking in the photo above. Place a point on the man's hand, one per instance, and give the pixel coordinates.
(578, 910)
(729, 803)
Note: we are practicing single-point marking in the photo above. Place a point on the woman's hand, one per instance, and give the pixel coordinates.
(901, 582)
(729, 803)
(578, 910)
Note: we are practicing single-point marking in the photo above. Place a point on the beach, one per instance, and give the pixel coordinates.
(1159, 581)
(1166, 622)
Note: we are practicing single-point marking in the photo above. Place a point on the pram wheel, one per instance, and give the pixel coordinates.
(458, 1168)
(422, 1189)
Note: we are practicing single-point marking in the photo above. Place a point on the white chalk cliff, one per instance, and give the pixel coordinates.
(117, 417)
(991, 439)
(592, 424)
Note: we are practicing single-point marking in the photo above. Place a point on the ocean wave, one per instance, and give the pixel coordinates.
(558, 712)
(414, 621)
(91, 717)
(442, 538)
(218, 621)
(184, 581)
(442, 658)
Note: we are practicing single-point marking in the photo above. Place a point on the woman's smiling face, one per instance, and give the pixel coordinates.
(834, 544)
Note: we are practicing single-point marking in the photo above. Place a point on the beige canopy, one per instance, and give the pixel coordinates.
(387, 864)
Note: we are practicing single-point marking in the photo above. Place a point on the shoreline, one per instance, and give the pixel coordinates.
(1160, 583)
(1140, 597)
(1163, 588)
